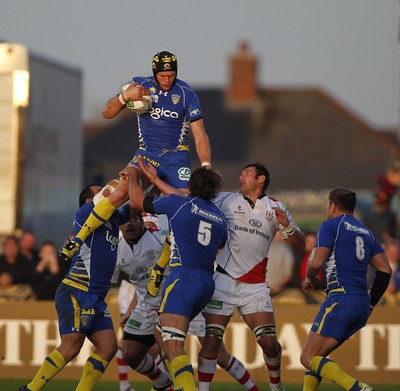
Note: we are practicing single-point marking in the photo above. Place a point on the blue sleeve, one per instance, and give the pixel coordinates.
(325, 236)
(376, 248)
(81, 216)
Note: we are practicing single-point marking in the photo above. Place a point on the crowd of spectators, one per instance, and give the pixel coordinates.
(28, 272)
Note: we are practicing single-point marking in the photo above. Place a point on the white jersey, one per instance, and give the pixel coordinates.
(135, 262)
(250, 233)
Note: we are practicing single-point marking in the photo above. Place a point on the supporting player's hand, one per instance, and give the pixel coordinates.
(68, 251)
(148, 169)
(153, 286)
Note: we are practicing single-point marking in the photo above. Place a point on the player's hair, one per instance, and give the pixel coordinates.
(164, 61)
(261, 170)
(86, 193)
(205, 183)
(344, 199)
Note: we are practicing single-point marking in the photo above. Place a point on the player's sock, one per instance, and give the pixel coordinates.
(311, 381)
(159, 362)
(328, 369)
(92, 372)
(101, 212)
(274, 368)
(206, 371)
(182, 373)
(123, 368)
(238, 371)
(147, 367)
(51, 365)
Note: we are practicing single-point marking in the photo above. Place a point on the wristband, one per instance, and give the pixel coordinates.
(289, 230)
(121, 99)
(206, 164)
(309, 280)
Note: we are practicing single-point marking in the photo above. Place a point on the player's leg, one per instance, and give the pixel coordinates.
(338, 318)
(135, 350)
(174, 328)
(105, 344)
(56, 360)
(123, 369)
(235, 368)
(208, 355)
(126, 292)
(106, 202)
(177, 170)
(264, 329)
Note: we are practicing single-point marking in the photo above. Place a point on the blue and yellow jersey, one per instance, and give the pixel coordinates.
(197, 230)
(91, 270)
(167, 124)
(352, 245)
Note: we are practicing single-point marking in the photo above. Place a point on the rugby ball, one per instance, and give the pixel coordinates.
(139, 106)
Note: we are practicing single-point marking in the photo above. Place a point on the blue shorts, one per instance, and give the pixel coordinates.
(340, 316)
(187, 291)
(173, 167)
(81, 312)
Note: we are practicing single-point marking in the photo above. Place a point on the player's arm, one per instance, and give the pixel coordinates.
(156, 272)
(202, 142)
(114, 105)
(292, 234)
(382, 277)
(317, 258)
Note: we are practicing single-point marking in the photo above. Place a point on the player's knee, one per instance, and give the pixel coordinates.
(305, 359)
(266, 330)
(216, 331)
(172, 334)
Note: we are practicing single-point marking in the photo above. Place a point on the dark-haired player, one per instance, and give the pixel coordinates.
(80, 298)
(254, 219)
(197, 230)
(345, 247)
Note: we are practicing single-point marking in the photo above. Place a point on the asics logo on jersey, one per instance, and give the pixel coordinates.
(354, 228)
(157, 113)
(113, 240)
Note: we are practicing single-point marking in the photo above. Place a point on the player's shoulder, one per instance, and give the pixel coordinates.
(184, 87)
(143, 80)
(84, 211)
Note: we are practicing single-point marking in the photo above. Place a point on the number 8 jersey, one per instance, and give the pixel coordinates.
(352, 245)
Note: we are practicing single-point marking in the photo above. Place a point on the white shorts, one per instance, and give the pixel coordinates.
(230, 294)
(141, 322)
(197, 326)
(125, 295)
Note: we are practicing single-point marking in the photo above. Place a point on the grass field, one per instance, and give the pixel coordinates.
(11, 385)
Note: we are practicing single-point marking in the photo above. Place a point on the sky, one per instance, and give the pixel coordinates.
(350, 48)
